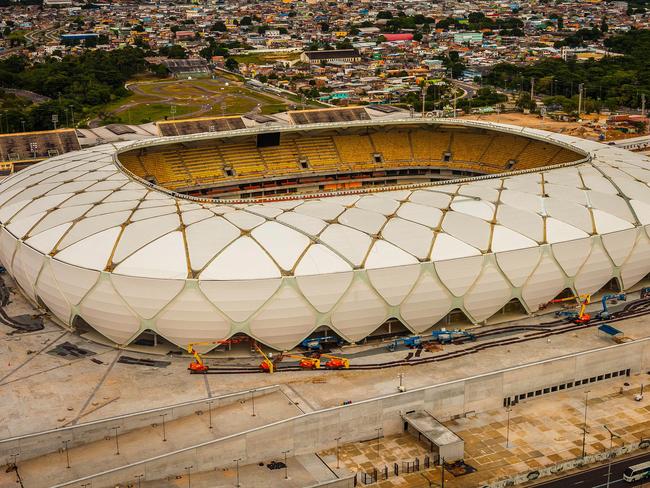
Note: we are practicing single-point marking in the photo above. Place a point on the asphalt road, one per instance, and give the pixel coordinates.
(597, 477)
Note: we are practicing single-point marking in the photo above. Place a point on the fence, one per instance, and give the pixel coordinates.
(397, 469)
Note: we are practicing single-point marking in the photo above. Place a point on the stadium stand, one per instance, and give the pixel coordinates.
(319, 152)
(503, 148)
(36, 146)
(393, 146)
(468, 146)
(219, 162)
(328, 115)
(355, 150)
(429, 145)
(196, 126)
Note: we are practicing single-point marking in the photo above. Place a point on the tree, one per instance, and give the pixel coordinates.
(219, 26)
(384, 14)
(175, 52)
(246, 21)
(232, 64)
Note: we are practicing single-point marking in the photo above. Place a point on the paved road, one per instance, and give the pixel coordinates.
(597, 477)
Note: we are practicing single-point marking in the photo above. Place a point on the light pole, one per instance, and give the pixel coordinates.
(163, 427)
(442, 472)
(611, 445)
(378, 429)
(139, 477)
(237, 461)
(286, 468)
(508, 409)
(253, 402)
(117, 441)
(584, 424)
(72, 114)
(22, 124)
(189, 475)
(338, 460)
(67, 453)
(210, 412)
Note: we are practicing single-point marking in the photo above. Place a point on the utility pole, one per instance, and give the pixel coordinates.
(424, 91)
(584, 425)
(532, 89)
(210, 412)
(442, 472)
(643, 104)
(580, 88)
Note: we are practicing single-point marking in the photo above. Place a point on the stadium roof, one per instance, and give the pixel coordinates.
(85, 238)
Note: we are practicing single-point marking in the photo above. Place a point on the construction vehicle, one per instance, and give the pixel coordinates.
(336, 362)
(198, 365)
(579, 316)
(644, 293)
(411, 342)
(442, 336)
(304, 362)
(316, 343)
(604, 313)
(267, 365)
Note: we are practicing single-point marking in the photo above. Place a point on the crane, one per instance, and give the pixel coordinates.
(198, 365)
(336, 362)
(304, 361)
(266, 365)
(604, 313)
(579, 317)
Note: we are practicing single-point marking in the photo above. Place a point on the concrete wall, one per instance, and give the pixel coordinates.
(315, 431)
(40, 443)
(347, 482)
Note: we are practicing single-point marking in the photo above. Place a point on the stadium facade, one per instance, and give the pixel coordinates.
(89, 240)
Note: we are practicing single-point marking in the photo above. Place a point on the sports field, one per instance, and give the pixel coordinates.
(157, 100)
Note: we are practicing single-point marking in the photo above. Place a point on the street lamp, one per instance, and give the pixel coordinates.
(508, 409)
(611, 445)
(210, 412)
(286, 468)
(237, 461)
(584, 425)
(67, 453)
(163, 426)
(117, 441)
(338, 460)
(139, 477)
(378, 429)
(189, 475)
(253, 402)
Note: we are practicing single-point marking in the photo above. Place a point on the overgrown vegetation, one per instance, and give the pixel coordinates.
(613, 82)
(77, 85)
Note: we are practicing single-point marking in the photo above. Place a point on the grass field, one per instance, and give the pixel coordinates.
(152, 100)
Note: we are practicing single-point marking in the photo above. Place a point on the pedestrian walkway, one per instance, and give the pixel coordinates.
(501, 443)
(148, 442)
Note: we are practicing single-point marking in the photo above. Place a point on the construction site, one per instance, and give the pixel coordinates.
(338, 301)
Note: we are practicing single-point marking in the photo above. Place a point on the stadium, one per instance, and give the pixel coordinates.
(354, 228)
